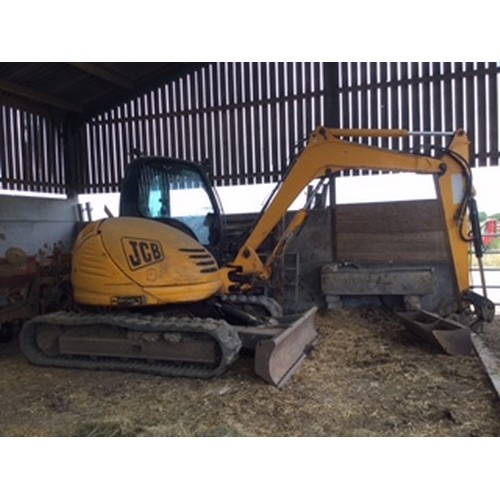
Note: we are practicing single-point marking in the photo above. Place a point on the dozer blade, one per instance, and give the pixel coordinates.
(452, 337)
(279, 357)
(487, 346)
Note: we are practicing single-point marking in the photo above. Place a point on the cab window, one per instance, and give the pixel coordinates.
(177, 192)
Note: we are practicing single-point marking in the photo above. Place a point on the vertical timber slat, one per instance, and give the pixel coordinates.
(494, 117)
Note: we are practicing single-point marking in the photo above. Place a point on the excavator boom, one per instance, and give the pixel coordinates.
(326, 154)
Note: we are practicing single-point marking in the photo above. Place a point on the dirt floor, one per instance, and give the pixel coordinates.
(367, 377)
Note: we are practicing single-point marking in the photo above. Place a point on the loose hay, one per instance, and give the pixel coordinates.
(367, 377)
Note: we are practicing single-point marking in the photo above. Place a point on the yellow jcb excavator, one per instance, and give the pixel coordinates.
(157, 292)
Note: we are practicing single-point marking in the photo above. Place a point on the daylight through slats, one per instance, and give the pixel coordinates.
(246, 121)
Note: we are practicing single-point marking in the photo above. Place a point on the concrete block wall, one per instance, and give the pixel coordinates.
(31, 223)
(304, 257)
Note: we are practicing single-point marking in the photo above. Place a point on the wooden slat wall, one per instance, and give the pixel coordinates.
(248, 119)
(437, 97)
(396, 232)
(31, 152)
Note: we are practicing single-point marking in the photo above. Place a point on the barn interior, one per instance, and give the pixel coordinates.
(69, 130)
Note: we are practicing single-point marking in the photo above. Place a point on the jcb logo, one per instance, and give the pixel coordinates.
(142, 253)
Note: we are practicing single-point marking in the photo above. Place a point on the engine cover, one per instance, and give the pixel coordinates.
(129, 261)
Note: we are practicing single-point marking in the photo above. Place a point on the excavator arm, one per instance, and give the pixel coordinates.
(325, 154)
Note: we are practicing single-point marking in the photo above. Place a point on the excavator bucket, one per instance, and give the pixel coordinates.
(455, 338)
(281, 349)
(452, 337)
(487, 346)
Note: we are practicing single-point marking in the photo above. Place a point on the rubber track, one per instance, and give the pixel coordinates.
(225, 335)
(272, 307)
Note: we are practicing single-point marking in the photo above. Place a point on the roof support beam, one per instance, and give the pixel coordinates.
(104, 74)
(35, 95)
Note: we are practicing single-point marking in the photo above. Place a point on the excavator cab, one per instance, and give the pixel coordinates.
(176, 193)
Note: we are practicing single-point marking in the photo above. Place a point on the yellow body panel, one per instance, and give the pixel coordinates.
(131, 261)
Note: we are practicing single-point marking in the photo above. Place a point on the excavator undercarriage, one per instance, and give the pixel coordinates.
(172, 344)
(154, 344)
